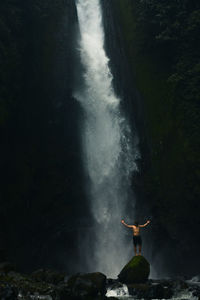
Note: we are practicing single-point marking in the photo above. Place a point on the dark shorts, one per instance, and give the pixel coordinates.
(137, 240)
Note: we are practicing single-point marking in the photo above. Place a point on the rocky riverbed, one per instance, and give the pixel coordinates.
(46, 284)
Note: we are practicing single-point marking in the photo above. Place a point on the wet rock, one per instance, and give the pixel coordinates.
(63, 292)
(135, 271)
(27, 286)
(178, 285)
(48, 276)
(196, 278)
(117, 289)
(87, 285)
(195, 291)
(138, 290)
(111, 281)
(116, 285)
(7, 292)
(150, 291)
(160, 291)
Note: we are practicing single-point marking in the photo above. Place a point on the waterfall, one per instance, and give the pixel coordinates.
(109, 148)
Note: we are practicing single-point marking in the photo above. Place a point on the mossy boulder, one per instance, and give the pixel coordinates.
(87, 285)
(135, 271)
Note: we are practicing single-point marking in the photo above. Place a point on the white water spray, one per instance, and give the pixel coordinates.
(109, 153)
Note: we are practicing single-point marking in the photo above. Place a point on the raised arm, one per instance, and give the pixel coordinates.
(145, 224)
(129, 226)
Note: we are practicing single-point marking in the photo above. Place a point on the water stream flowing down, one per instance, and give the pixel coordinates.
(108, 145)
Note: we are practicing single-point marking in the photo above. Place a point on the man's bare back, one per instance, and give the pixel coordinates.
(136, 235)
(136, 230)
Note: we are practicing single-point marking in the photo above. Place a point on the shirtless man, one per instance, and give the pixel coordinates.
(136, 235)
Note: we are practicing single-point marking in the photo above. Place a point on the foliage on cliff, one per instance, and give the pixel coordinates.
(163, 47)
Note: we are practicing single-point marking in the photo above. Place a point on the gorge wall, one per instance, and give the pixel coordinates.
(154, 53)
(161, 44)
(42, 196)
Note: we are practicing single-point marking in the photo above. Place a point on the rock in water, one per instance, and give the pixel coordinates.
(136, 271)
(87, 285)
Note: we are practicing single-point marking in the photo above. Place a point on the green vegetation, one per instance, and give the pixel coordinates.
(162, 43)
(135, 271)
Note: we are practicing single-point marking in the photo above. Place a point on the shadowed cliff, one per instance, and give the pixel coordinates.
(154, 51)
(41, 186)
(161, 42)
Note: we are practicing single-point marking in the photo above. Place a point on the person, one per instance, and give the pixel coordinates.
(137, 241)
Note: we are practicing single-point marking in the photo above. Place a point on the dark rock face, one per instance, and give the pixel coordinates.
(87, 285)
(136, 271)
(40, 162)
(170, 157)
(125, 88)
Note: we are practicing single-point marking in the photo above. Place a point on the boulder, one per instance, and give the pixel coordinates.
(135, 271)
(150, 291)
(63, 292)
(87, 285)
(8, 292)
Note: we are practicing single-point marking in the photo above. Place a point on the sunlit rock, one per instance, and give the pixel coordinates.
(135, 271)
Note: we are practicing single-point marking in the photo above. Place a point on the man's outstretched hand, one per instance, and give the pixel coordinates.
(122, 221)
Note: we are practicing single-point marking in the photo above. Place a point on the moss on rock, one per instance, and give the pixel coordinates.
(135, 271)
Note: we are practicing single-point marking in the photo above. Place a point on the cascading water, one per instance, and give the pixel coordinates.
(109, 149)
